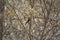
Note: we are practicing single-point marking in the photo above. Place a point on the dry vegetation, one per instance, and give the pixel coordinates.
(32, 20)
